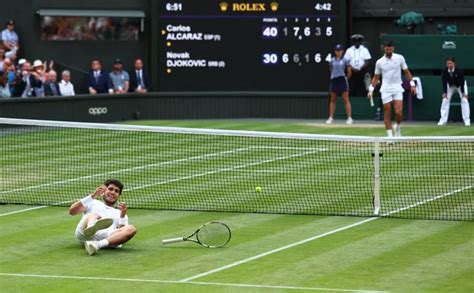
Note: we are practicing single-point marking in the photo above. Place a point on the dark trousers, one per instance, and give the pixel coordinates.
(357, 85)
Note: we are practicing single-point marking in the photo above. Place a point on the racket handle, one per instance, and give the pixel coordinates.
(372, 102)
(172, 240)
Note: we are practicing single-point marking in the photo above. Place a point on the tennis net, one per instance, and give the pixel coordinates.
(55, 163)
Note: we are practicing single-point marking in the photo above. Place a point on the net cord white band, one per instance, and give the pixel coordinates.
(182, 130)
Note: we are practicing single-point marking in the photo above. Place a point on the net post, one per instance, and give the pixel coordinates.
(376, 177)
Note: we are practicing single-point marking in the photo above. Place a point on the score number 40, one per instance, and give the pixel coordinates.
(273, 58)
(272, 32)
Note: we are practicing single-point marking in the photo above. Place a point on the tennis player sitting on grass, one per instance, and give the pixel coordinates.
(103, 225)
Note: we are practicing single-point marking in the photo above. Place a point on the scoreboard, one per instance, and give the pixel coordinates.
(275, 45)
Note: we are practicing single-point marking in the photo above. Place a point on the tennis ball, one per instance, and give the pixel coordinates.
(258, 189)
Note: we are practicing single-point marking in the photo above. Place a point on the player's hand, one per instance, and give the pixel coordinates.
(370, 95)
(413, 90)
(99, 191)
(123, 209)
(445, 96)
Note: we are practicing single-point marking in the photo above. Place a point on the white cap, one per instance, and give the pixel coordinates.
(21, 61)
(37, 63)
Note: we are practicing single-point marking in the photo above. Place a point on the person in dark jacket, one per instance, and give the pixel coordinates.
(99, 80)
(51, 87)
(139, 78)
(453, 81)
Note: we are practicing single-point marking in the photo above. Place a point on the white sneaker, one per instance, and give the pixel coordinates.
(95, 226)
(330, 120)
(467, 123)
(91, 247)
(441, 123)
(397, 130)
(349, 121)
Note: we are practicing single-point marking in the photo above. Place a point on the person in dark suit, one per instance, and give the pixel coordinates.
(453, 81)
(139, 78)
(28, 81)
(50, 86)
(99, 80)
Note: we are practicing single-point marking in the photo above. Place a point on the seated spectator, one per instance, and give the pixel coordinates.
(11, 76)
(19, 66)
(4, 85)
(50, 86)
(139, 78)
(99, 81)
(40, 72)
(120, 78)
(27, 82)
(66, 88)
(10, 37)
(2, 55)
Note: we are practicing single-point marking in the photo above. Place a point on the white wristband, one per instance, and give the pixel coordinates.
(87, 201)
(412, 83)
(122, 221)
(371, 88)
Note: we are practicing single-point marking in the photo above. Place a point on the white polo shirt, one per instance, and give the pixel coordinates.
(390, 69)
(357, 56)
(103, 210)
(66, 88)
(10, 36)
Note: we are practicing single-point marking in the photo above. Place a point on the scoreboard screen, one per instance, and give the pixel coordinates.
(275, 45)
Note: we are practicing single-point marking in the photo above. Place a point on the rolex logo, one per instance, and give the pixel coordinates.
(223, 6)
(274, 6)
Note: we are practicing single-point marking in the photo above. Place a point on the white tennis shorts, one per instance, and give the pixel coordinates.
(99, 235)
(389, 97)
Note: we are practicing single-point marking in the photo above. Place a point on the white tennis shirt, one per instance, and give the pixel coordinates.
(390, 69)
(357, 56)
(103, 210)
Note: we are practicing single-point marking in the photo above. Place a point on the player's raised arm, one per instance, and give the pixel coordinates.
(81, 205)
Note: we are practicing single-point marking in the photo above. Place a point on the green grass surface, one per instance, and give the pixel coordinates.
(40, 254)
(385, 254)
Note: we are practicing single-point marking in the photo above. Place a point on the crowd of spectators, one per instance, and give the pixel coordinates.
(24, 78)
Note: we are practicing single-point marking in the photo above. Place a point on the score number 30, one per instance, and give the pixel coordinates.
(273, 58)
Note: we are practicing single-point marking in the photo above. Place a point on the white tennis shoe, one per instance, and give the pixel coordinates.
(349, 121)
(91, 247)
(397, 130)
(330, 120)
(94, 226)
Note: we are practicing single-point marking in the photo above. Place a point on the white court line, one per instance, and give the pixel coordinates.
(422, 202)
(220, 171)
(172, 180)
(34, 208)
(21, 211)
(179, 282)
(156, 165)
(246, 260)
(125, 170)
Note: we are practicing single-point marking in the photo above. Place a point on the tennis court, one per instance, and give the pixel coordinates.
(310, 228)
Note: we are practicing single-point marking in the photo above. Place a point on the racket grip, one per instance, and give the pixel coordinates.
(372, 102)
(172, 240)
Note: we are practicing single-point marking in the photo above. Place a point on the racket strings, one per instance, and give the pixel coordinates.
(214, 234)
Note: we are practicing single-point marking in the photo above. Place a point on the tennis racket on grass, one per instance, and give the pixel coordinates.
(211, 235)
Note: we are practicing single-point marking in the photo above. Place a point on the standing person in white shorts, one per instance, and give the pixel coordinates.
(390, 67)
(103, 225)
